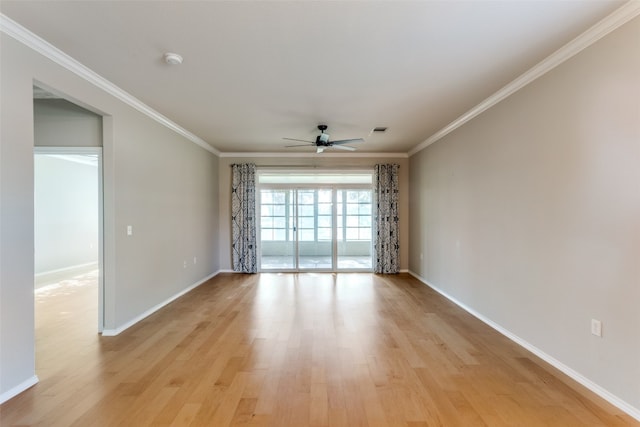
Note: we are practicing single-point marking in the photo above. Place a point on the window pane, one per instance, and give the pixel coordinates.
(280, 234)
(364, 197)
(279, 210)
(352, 234)
(324, 234)
(266, 222)
(324, 196)
(364, 209)
(364, 221)
(267, 197)
(307, 235)
(306, 211)
(279, 197)
(267, 234)
(306, 222)
(352, 209)
(324, 209)
(305, 198)
(324, 221)
(279, 222)
(352, 221)
(365, 234)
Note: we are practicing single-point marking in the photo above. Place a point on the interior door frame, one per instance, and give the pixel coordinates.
(41, 150)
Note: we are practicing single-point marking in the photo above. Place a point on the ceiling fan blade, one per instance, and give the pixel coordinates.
(347, 141)
(299, 145)
(344, 147)
(301, 140)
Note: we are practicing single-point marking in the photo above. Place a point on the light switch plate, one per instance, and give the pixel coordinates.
(596, 327)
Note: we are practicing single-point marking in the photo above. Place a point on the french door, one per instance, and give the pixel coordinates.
(325, 228)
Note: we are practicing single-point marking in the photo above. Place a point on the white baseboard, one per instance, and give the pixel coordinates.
(597, 389)
(55, 275)
(18, 389)
(70, 268)
(120, 329)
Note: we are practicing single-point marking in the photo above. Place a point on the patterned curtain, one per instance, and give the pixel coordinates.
(386, 219)
(243, 217)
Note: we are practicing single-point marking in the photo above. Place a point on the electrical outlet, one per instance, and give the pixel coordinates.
(129, 230)
(195, 260)
(184, 264)
(596, 327)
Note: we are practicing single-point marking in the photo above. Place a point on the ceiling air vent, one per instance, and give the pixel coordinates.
(380, 129)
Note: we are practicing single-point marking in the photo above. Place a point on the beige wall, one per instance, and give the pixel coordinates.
(318, 161)
(60, 123)
(530, 214)
(155, 180)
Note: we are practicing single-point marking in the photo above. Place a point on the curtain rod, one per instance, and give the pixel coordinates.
(361, 167)
(308, 166)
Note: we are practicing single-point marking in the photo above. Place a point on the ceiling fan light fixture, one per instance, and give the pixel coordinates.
(172, 58)
(324, 142)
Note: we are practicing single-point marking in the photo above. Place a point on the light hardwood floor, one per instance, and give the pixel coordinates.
(297, 350)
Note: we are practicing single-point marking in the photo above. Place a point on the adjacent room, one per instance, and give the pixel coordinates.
(285, 213)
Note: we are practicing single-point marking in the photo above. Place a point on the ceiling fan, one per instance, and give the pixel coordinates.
(323, 142)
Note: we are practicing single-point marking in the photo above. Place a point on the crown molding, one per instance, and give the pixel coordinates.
(316, 155)
(619, 17)
(38, 44)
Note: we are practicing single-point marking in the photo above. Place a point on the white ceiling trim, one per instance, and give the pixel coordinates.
(38, 44)
(316, 155)
(621, 16)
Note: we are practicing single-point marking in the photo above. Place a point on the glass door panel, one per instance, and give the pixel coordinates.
(277, 230)
(315, 229)
(354, 229)
(315, 225)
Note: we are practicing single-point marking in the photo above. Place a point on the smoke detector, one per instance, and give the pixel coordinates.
(172, 58)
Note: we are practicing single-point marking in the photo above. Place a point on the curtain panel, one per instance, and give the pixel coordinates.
(387, 248)
(243, 217)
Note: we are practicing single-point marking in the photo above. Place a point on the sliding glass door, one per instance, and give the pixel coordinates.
(354, 229)
(319, 228)
(277, 229)
(315, 229)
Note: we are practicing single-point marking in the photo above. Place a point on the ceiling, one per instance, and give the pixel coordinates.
(255, 72)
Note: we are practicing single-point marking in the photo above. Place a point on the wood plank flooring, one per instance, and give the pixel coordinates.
(296, 350)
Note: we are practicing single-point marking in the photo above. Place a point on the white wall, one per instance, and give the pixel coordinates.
(66, 213)
(530, 213)
(163, 185)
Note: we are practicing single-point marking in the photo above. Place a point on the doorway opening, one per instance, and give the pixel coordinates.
(315, 221)
(67, 193)
(68, 230)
